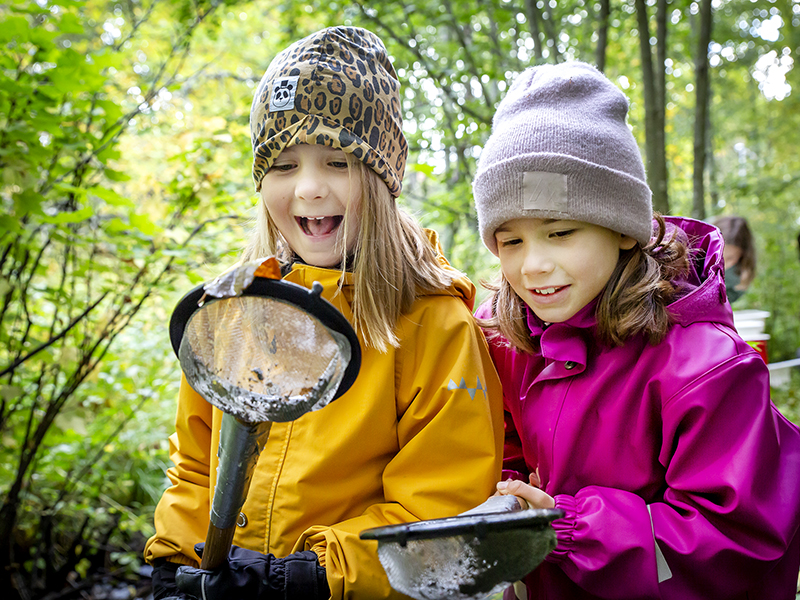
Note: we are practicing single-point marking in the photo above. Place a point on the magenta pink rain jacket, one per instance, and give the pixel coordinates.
(678, 477)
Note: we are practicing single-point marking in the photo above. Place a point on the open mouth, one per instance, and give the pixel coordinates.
(319, 226)
(548, 291)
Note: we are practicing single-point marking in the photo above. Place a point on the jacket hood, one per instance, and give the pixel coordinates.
(460, 286)
(705, 298)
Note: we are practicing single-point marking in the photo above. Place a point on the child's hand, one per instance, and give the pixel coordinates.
(535, 497)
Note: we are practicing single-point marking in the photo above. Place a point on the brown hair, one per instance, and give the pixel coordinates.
(736, 232)
(634, 301)
(393, 262)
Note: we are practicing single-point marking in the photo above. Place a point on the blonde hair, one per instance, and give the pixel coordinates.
(392, 263)
(634, 301)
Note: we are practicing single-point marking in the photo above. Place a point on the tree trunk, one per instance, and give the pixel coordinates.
(655, 146)
(550, 32)
(8, 517)
(701, 116)
(532, 14)
(661, 55)
(602, 34)
(535, 16)
(713, 187)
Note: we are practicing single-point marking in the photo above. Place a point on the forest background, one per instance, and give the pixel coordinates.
(125, 181)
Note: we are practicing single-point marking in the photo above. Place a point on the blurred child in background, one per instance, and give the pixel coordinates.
(739, 254)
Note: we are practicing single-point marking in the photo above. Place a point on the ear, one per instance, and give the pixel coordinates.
(626, 242)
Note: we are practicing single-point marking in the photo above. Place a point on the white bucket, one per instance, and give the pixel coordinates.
(748, 328)
(750, 315)
(750, 325)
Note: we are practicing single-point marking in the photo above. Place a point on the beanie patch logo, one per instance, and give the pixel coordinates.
(283, 93)
(544, 191)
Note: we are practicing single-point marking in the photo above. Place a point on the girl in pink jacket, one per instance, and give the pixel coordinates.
(631, 402)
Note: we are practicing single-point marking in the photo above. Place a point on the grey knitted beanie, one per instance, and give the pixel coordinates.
(560, 148)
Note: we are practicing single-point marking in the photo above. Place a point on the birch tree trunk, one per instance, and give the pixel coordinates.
(653, 80)
(602, 34)
(702, 97)
(532, 16)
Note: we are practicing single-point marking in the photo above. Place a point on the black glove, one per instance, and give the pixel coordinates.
(164, 581)
(251, 575)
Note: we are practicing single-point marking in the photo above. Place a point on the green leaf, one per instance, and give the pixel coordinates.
(112, 110)
(422, 168)
(78, 193)
(70, 23)
(70, 217)
(143, 224)
(14, 28)
(49, 123)
(10, 393)
(106, 59)
(116, 226)
(10, 224)
(28, 201)
(41, 37)
(116, 175)
(110, 196)
(194, 277)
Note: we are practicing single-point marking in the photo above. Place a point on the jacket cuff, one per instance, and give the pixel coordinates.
(163, 578)
(565, 528)
(177, 559)
(305, 579)
(510, 474)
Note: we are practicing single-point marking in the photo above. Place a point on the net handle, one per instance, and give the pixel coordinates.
(218, 544)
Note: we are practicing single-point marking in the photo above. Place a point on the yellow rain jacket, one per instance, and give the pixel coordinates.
(418, 436)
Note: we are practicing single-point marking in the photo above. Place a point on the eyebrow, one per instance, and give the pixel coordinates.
(321, 146)
(504, 229)
(329, 148)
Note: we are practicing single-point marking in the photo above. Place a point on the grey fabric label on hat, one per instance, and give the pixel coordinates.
(283, 92)
(544, 191)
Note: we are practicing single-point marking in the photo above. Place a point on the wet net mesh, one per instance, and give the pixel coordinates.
(465, 567)
(261, 358)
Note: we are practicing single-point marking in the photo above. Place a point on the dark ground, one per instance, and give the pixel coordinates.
(108, 586)
(111, 586)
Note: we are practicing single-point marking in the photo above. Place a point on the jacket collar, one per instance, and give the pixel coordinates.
(337, 287)
(564, 346)
(301, 273)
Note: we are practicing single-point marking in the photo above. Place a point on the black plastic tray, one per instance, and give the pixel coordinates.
(477, 525)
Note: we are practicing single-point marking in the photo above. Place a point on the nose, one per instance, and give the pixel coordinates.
(311, 184)
(537, 261)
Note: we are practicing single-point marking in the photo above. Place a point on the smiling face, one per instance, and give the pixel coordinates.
(558, 267)
(313, 201)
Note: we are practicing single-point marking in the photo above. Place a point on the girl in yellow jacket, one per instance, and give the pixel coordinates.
(416, 437)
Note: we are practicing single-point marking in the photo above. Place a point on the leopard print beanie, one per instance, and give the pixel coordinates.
(335, 88)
